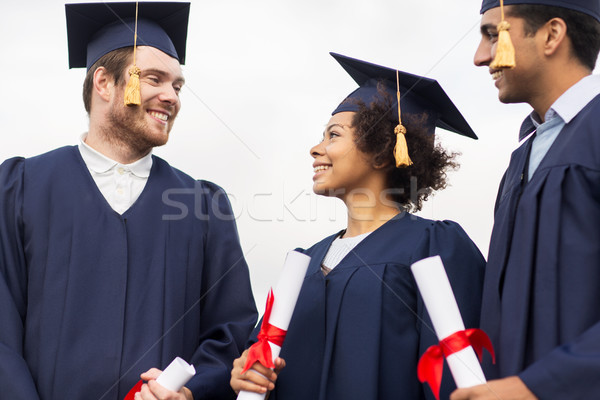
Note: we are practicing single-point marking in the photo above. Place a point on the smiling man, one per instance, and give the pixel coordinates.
(112, 262)
(542, 282)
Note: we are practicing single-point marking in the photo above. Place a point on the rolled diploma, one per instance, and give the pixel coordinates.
(440, 302)
(176, 375)
(286, 294)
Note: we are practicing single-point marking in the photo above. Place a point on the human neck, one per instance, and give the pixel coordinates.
(557, 83)
(108, 144)
(363, 218)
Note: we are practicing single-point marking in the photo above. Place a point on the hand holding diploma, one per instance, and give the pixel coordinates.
(457, 345)
(258, 379)
(167, 384)
(276, 319)
(511, 388)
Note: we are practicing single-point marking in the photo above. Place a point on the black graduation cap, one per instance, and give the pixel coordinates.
(95, 29)
(589, 7)
(418, 94)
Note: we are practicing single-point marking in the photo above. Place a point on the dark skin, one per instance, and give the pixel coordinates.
(250, 381)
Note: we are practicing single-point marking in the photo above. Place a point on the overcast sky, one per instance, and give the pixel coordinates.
(260, 88)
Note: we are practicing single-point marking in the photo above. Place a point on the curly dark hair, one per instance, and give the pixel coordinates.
(374, 135)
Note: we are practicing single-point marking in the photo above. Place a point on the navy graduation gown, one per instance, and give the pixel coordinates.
(358, 332)
(542, 283)
(90, 298)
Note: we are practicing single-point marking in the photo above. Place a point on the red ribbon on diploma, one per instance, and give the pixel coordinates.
(261, 351)
(431, 364)
(134, 390)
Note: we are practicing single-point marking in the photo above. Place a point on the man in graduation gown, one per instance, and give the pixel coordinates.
(111, 261)
(542, 283)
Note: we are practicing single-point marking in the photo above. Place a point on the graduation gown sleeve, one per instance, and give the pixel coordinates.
(227, 308)
(15, 378)
(563, 284)
(464, 266)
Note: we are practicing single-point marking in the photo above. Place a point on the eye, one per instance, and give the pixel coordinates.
(333, 134)
(153, 79)
(492, 35)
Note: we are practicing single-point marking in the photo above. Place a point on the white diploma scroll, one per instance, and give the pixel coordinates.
(440, 302)
(176, 375)
(286, 294)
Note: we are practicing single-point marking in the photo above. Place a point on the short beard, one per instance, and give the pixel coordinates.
(126, 129)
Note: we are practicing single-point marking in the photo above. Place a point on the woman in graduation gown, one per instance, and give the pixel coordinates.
(360, 326)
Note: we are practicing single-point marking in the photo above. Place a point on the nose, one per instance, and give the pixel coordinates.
(317, 150)
(483, 54)
(169, 95)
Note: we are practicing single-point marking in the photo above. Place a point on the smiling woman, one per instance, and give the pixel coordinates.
(371, 129)
(359, 325)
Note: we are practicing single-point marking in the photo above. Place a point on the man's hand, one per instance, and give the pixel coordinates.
(511, 388)
(153, 391)
(257, 379)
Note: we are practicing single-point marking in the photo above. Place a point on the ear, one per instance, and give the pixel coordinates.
(382, 165)
(103, 83)
(555, 35)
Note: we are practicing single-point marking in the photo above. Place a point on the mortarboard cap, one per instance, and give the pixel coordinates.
(95, 29)
(418, 94)
(589, 7)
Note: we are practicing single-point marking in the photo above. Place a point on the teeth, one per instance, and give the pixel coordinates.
(497, 74)
(321, 168)
(161, 116)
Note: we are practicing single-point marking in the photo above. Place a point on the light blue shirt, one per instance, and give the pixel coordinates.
(564, 109)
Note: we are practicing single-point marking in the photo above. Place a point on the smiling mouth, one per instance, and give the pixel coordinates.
(497, 74)
(158, 115)
(321, 168)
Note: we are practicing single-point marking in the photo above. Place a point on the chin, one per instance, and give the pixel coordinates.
(317, 189)
(507, 97)
(159, 139)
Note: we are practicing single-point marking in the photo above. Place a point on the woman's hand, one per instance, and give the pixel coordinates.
(258, 379)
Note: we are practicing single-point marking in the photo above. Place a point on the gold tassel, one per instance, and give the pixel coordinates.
(505, 51)
(133, 96)
(401, 149)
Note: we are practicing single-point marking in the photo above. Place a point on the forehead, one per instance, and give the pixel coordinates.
(341, 118)
(148, 57)
(492, 16)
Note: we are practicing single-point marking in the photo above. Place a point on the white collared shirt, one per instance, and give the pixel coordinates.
(120, 184)
(564, 109)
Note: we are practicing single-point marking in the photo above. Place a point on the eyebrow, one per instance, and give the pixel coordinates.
(485, 28)
(332, 125)
(178, 79)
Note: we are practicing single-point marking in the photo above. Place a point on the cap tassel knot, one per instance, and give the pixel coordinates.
(133, 95)
(505, 51)
(401, 149)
